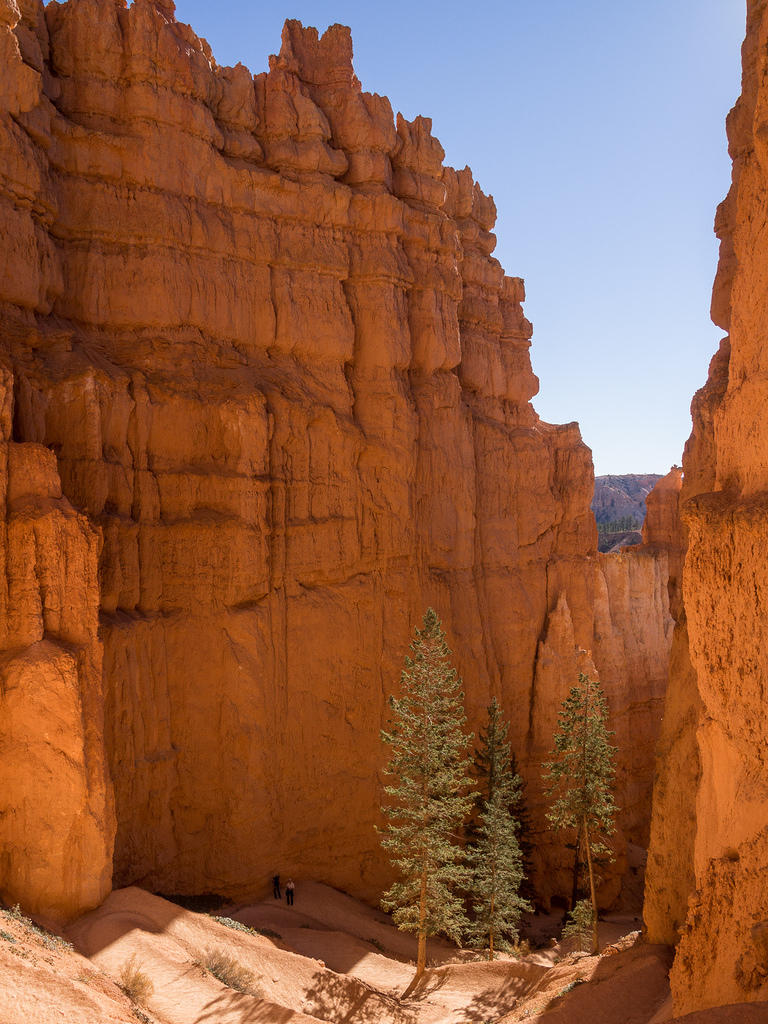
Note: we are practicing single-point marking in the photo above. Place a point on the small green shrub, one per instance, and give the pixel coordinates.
(42, 935)
(238, 926)
(136, 984)
(7, 936)
(228, 971)
(378, 945)
(578, 929)
(51, 941)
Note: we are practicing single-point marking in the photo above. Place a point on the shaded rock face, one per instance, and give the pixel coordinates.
(253, 331)
(631, 634)
(57, 820)
(708, 864)
(661, 526)
(616, 541)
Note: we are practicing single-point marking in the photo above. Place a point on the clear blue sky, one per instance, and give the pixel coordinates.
(598, 126)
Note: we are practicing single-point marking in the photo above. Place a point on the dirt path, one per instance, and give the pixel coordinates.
(328, 959)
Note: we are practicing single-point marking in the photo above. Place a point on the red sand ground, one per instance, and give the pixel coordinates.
(335, 960)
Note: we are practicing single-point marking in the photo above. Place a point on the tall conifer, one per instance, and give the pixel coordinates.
(428, 800)
(495, 855)
(519, 809)
(580, 777)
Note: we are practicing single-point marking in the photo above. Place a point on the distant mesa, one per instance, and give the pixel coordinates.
(617, 496)
(619, 507)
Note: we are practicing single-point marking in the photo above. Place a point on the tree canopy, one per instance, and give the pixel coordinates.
(580, 777)
(495, 854)
(428, 799)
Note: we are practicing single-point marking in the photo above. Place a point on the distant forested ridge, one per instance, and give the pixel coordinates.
(619, 501)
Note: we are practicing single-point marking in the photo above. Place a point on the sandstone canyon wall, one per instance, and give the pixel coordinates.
(708, 864)
(268, 394)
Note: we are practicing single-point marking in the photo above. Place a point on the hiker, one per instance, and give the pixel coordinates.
(276, 887)
(289, 888)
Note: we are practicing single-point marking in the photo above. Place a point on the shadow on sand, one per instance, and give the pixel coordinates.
(633, 985)
(329, 997)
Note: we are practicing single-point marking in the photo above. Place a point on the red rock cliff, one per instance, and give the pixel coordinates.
(708, 865)
(254, 328)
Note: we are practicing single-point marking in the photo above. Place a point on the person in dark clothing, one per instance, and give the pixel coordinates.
(289, 890)
(276, 887)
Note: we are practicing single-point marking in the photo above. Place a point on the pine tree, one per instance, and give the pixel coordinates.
(519, 809)
(428, 799)
(579, 925)
(496, 856)
(493, 758)
(580, 777)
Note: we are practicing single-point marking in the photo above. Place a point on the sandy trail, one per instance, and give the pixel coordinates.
(170, 943)
(328, 959)
(42, 981)
(358, 941)
(321, 907)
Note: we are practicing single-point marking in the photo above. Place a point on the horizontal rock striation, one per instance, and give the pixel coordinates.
(708, 864)
(254, 327)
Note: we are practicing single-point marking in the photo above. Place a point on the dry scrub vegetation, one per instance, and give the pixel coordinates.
(135, 983)
(33, 931)
(228, 971)
(238, 926)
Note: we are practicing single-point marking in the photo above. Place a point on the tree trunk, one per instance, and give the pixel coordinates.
(575, 886)
(595, 942)
(490, 930)
(587, 847)
(421, 954)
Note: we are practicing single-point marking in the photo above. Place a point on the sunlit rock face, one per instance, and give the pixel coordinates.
(708, 867)
(271, 395)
